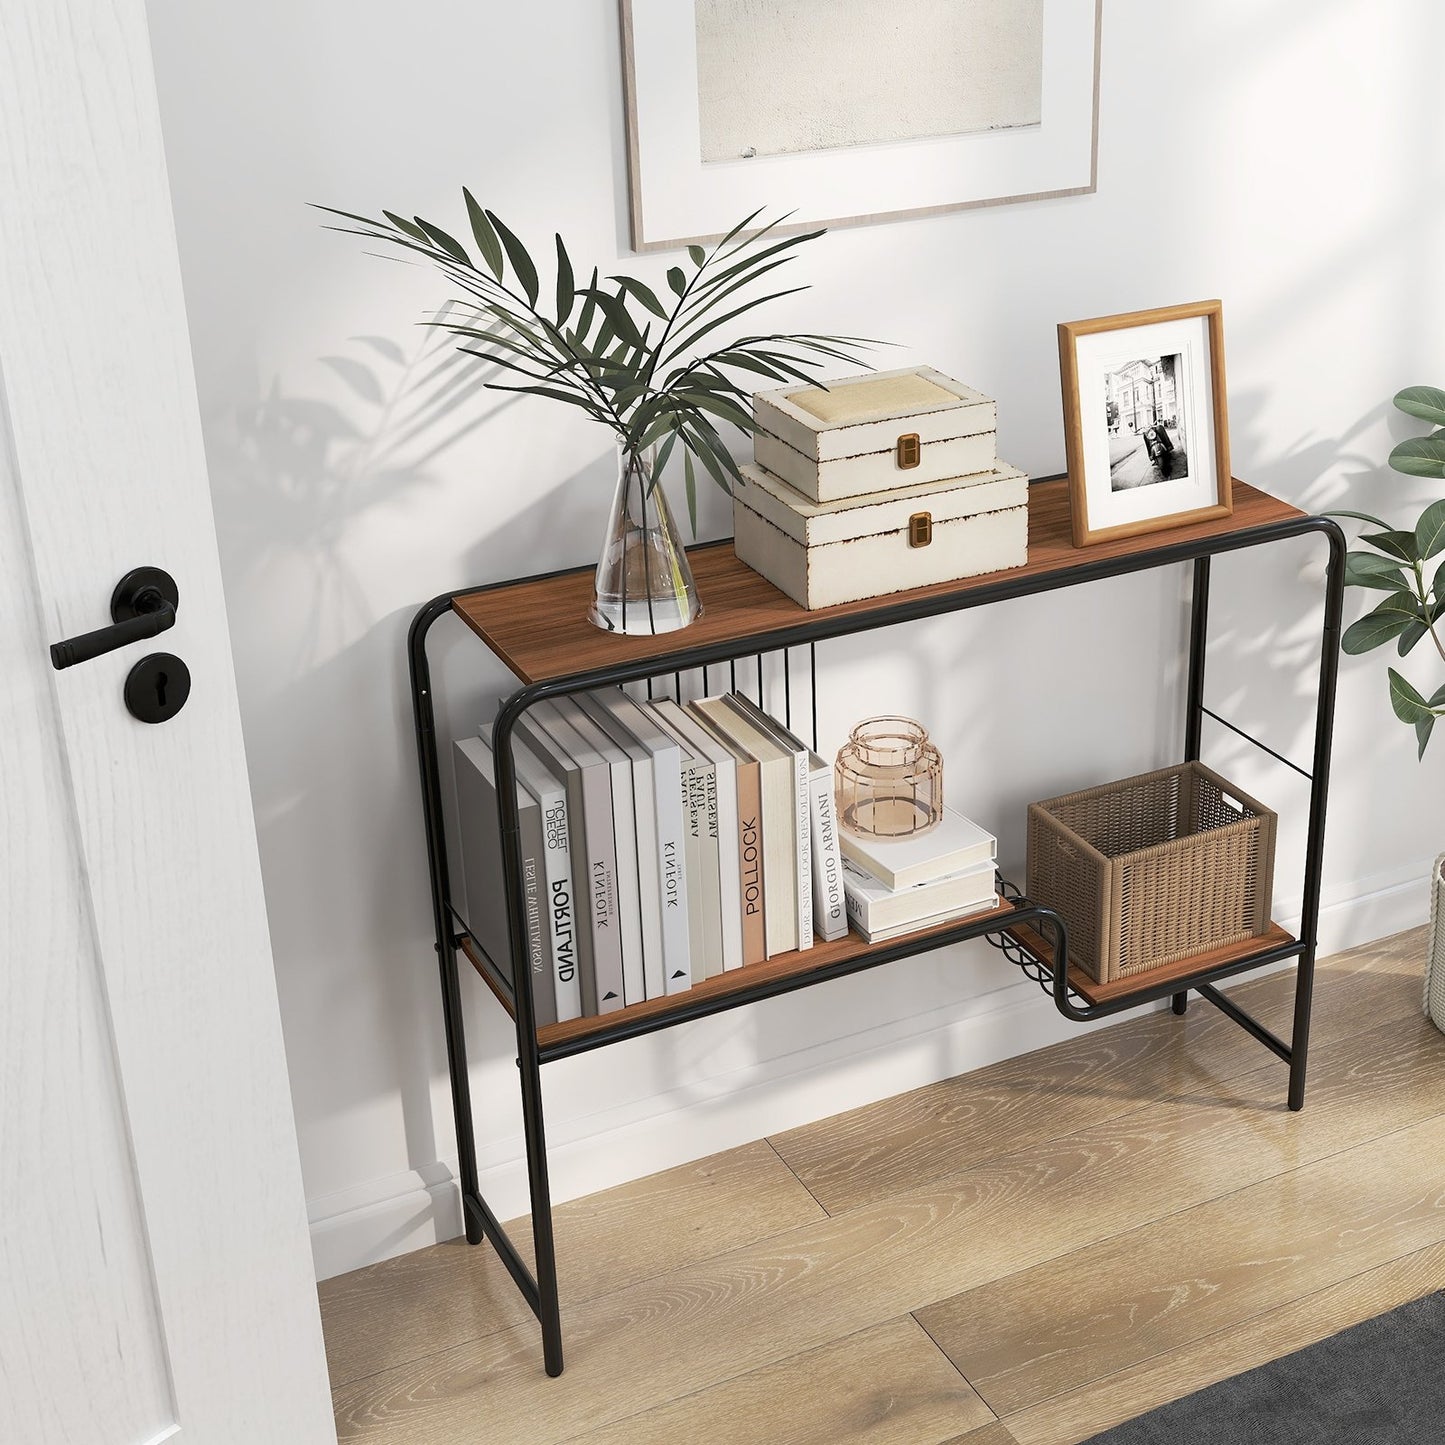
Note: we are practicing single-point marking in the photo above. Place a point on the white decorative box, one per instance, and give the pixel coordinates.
(823, 553)
(869, 433)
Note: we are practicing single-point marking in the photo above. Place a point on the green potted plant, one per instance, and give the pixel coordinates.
(650, 368)
(1395, 563)
(1412, 609)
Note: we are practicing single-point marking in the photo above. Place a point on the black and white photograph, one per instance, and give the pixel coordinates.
(1145, 413)
(1145, 425)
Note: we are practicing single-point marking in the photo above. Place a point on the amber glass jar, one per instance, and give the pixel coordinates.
(889, 779)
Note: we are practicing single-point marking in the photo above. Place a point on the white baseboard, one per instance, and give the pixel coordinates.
(385, 1217)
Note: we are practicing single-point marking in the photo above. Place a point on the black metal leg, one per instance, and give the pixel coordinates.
(1194, 700)
(1198, 641)
(549, 1305)
(1319, 793)
(529, 1065)
(1304, 989)
(425, 720)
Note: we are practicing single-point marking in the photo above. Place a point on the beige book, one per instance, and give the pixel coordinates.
(779, 821)
(753, 896)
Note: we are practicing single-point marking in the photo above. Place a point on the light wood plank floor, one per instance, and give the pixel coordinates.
(1024, 1255)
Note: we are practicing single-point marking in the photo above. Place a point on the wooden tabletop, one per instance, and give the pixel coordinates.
(539, 627)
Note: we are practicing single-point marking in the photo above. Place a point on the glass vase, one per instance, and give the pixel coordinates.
(889, 779)
(644, 584)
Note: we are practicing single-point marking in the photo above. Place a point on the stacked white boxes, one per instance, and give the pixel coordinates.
(876, 484)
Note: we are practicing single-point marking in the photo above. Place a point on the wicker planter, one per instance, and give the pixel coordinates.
(1435, 949)
(1152, 869)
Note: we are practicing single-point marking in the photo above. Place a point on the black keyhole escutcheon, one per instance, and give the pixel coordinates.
(157, 687)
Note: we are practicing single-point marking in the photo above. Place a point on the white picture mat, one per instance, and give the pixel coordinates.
(1105, 351)
(678, 198)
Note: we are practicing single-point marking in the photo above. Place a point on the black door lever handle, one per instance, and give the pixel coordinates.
(143, 604)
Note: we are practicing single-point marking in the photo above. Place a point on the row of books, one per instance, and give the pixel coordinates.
(661, 844)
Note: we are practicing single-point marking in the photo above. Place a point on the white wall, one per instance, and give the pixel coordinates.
(1283, 156)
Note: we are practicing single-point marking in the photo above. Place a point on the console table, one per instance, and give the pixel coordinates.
(537, 626)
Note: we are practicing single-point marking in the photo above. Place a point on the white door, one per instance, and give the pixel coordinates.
(155, 1280)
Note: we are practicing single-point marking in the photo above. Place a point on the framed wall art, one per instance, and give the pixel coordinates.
(1146, 429)
(853, 111)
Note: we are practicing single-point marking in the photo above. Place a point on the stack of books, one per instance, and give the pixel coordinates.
(899, 885)
(662, 844)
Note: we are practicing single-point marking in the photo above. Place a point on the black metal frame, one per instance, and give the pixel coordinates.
(540, 1289)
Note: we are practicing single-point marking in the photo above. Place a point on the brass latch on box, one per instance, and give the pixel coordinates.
(909, 454)
(920, 529)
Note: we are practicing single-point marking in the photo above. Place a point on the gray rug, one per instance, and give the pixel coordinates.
(1379, 1383)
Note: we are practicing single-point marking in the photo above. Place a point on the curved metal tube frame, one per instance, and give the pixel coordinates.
(540, 1289)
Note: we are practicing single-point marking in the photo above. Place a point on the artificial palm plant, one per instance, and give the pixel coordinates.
(651, 368)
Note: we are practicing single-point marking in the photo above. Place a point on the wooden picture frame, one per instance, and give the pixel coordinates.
(677, 198)
(1146, 425)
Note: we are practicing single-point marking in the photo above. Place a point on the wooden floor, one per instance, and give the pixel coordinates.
(1020, 1256)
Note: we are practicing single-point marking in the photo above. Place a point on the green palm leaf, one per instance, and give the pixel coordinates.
(566, 287)
(484, 235)
(410, 227)
(644, 294)
(593, 353)
(449, 244)
(517, 254)
(689, 479)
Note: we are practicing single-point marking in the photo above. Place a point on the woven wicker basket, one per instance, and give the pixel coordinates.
(1152, 869)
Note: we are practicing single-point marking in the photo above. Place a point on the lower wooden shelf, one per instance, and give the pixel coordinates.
(1196, 963)
(852, 954)
(797, 967)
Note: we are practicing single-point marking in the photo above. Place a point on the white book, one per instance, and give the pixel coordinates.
(830, 907)
(564, 747)
(561, 915)
(723, 826)
(751, 902)
(801, 755)
(776, 780)
(873, 906)
(705, 891)
(954, 845)
(673, 883)
(645, 807)
(624, 835)
(560, 764)
(882, 935)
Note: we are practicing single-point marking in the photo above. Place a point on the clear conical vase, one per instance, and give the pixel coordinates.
(644, 584)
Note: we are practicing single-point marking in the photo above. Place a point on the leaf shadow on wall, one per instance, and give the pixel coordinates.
(306, 489)
(297, 482)
(301, 472)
